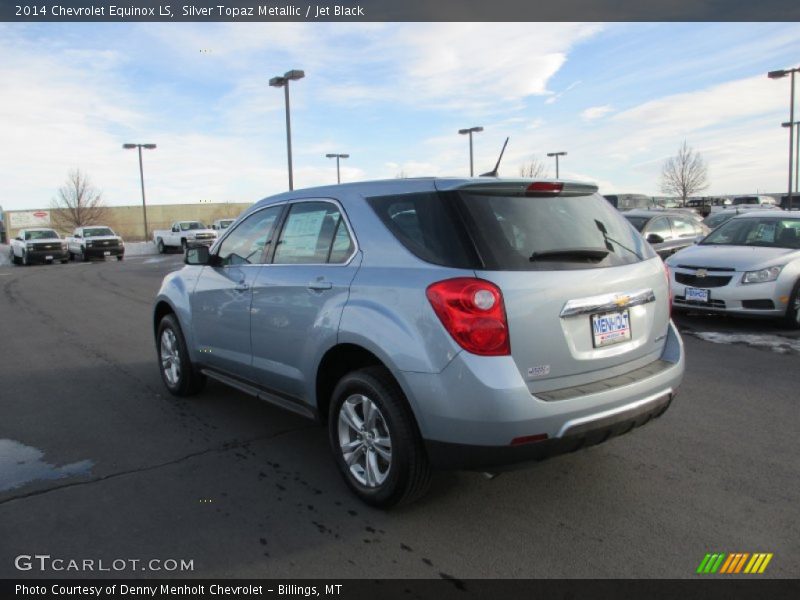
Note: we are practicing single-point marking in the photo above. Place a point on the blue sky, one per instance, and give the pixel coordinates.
(619, 98)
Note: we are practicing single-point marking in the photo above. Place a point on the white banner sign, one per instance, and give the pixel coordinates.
(29, 218)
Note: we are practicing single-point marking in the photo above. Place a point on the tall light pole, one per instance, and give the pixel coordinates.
(556, 154)
(469, 132)
(337, 157)
(780, 74)
(283, 82)
(796, 155)
(141, 176)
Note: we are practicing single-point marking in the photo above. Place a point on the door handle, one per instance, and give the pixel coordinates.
(319, 285)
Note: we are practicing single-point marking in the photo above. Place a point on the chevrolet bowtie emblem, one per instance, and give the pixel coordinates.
(701, 273)
(622, 300)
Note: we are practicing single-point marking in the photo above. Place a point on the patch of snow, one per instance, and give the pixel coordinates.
(775, 343)
(140, 249)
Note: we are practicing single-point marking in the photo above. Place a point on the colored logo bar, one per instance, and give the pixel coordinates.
(734, 563)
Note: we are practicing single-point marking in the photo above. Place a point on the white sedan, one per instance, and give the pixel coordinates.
(749, 266)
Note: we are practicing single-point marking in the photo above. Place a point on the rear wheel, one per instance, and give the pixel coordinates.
(177, 371)
(792, 317)
(375, 440)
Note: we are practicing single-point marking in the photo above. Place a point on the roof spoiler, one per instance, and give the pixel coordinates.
(526, 187)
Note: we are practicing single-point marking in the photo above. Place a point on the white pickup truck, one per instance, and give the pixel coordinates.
(222, 224)
(95, 241)
(184, 234)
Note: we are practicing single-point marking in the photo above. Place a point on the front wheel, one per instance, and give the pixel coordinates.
(375, 440)
(119, 257)
(177, 371)
(24, 260)
(161, 248)
(13, 257)
(792, 317)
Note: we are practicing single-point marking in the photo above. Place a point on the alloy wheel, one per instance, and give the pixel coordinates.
(170, 358)
(364, 440)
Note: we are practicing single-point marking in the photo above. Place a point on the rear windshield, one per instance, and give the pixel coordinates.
(509, 233)
(746, 200)
(717, 220)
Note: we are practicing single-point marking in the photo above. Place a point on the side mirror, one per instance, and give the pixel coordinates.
(197, 255)
(174, 229)
(654, 238)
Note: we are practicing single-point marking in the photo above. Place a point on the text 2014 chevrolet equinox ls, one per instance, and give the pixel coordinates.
(431, 323)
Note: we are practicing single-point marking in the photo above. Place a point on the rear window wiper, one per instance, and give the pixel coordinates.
(595, 254)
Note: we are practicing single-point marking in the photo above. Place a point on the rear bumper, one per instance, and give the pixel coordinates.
(471, 412)
(443, 455)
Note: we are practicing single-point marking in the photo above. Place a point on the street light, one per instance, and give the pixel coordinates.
(141, 176)
(796, 154)
(780, 74)
(556, 154)
(337, 157)
(469, 132)
(283, 82)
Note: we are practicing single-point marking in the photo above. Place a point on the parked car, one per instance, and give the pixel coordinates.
(39, 244)
(754, 201)
(667, 231)
(221, 224)
(95, 241)
(430, 323)
(703, 205)
(183, 234)
(625, 202)
(748, 266)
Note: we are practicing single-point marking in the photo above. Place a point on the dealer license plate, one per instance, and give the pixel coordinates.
(107, 253)
(48, 258)
(611, 328)
(696, 295)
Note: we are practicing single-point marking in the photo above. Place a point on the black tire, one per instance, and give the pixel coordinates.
(83, 256)
(64, 261)
(24, 260)
(160, 244)
(14, 259)
(71, 256)
(119, 257)
(792, 318)
(183, 245)
(189, 380)
(408, 473)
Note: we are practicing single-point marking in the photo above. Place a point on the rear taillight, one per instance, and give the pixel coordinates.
(472, 311)
(669, 287)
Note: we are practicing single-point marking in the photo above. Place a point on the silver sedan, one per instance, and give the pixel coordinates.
(748, 266)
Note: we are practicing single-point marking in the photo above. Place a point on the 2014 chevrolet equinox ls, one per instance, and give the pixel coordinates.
(431, 323)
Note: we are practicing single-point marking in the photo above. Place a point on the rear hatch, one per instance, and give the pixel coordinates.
(586, 298)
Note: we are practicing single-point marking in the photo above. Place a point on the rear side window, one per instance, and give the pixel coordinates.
(428, 225)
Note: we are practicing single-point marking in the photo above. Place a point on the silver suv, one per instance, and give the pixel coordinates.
(430, 323)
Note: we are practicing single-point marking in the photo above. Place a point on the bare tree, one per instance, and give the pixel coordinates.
(684, 174)
(401, 174)
(78, 203)
(533, 169)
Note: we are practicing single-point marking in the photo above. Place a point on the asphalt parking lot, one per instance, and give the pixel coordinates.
(98, 461)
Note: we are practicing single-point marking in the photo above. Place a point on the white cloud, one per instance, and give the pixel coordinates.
(596, 112)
